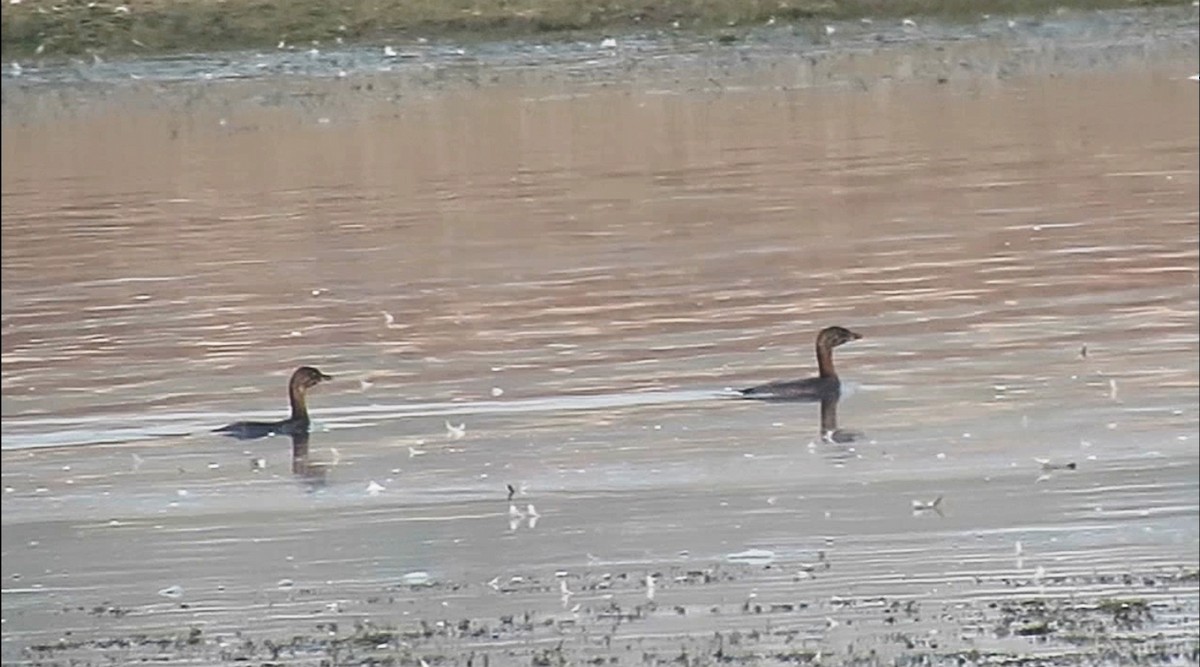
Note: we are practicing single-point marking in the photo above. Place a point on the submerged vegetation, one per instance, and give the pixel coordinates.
(74, 27)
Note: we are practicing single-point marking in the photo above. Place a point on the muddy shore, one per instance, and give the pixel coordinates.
(714, 618)
(934, 596)
(153, 27)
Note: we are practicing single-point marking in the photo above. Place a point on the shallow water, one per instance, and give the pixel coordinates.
(576, 273)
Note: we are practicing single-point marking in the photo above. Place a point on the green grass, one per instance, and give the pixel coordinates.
(74, 27)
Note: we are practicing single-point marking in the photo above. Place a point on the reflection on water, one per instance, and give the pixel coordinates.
(576, 275)
(829, 422)
(312, 473)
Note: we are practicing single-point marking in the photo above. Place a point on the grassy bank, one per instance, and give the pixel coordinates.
(72, 27)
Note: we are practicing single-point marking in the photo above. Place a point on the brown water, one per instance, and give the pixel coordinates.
(576, 273)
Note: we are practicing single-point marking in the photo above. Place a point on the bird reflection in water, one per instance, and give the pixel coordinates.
(829, 423)
(312, 474)
(838, 442)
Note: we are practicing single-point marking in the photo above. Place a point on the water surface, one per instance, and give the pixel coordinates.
(576, 273)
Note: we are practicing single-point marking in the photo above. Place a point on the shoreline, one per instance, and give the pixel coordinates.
(701, 614)
(857, 55)
(34, 28)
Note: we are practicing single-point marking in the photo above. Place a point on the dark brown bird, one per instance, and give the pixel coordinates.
(303, 379)
(825, 385)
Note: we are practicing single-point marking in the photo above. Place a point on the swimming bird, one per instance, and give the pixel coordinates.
(825, 385)
(303, 379)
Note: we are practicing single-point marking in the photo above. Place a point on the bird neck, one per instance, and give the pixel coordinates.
(825, 361)
(299, 407)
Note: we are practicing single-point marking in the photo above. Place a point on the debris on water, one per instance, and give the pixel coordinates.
(908, 23)
(455, 432)
(926, 505)
(497, 391)
(829, 30)
(608, 43)
(284, 584)
(511, 491)
(809, 568)
(1083, 351)
(1112, 389)
(413, 452)
(174, 592)
(650, 587)
(258, 464)
(389, 52)
(417, 578)
(752, 557)
(1049, 465)
(516, 516)
(374, 488)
